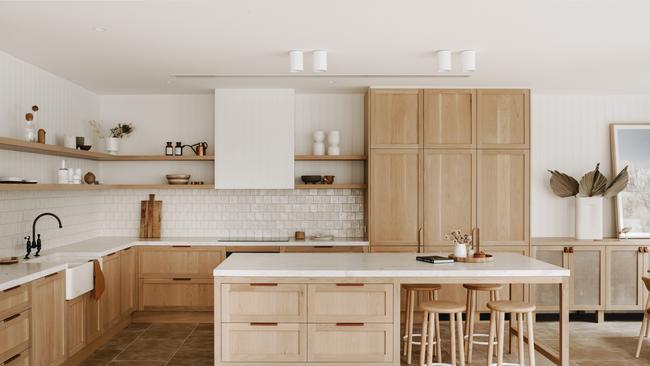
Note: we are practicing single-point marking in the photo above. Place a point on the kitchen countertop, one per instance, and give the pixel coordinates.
(378, 265)
(23, 272)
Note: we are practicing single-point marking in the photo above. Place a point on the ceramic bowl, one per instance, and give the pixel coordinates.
(311, 179)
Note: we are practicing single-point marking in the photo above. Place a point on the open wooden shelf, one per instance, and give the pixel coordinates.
(331, 157)
(97, 187)
(45, 149)
(332, 186)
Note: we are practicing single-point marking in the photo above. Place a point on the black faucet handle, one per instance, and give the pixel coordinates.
(37, 245)
(28, 247)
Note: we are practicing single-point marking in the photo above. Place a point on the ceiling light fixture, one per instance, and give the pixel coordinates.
(468, 60)
(295, 61)
(100, 29)
(444, 61)
(320, 60)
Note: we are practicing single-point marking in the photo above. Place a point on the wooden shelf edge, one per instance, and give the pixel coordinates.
(332, 186)
(330, 157)
(87, 187)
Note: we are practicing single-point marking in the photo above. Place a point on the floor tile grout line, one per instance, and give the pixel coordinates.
(130, 343)
(179, 347)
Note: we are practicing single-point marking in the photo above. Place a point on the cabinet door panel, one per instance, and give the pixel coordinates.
(75, 325)
(394, 197)
(182, 294)
(449, 118)
(259, 303)
(129, 282)
(395, 118)
(267, 343)
(449, 200)
(48, 314)
(94, 323)
(350, 343)
(625, 267)
(111, 299)
(170, 262)
(587, 266)
(331, 303)
(503, 196)
(547, 297)
(503, 119)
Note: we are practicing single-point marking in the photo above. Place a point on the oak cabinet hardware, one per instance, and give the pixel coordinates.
(8, 361)
(350, 324)
(10, 289)
(181, 246)
(7, 320)
(125, 249)
(182, 279)
(323, 246)
(111, 254)
(640, 249)
(263, 284)
(349, 284)
(51, 275)
(268, 324)
(571, 250)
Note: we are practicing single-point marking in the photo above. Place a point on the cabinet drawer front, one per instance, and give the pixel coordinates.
(350, 342)
(271, 342)
(263, 302)
(19, 359)
(14, 300)
(323, 249)
(172, 262)
(333, 303)
(14, 334)
(180, 294)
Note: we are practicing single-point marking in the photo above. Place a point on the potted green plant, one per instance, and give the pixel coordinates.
(589, 194)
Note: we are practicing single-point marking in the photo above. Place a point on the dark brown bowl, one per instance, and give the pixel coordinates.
(85, 147)
(311, 179)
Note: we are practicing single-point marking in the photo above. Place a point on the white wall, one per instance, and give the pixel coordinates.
(570, 133)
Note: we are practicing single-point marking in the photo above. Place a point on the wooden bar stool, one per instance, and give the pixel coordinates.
(517, 309)
(645, 324)
(432, 309)
(411, 291)
(472, 294)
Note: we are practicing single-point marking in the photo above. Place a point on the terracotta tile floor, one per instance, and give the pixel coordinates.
(608, 344)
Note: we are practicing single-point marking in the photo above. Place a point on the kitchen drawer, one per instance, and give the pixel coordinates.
(180, 293)
(18, 359)
(178, 261)
(350, 342)
(350, 302)
(263, 302)
(14, 300)
(14, 334)
(323, 249)
(263, 342)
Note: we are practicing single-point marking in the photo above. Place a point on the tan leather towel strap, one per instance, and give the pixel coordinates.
(99, 282)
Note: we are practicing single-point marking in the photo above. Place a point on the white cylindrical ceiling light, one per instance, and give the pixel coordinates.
(468, 60)
(295, 61)
(320, 60)
(444, 61)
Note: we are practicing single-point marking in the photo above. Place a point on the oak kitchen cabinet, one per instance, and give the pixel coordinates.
(503, 118)
(15, 339)
(111, 299)
(75, 324)
(48, 315)
(449, 118)
(625, 267)
(395, 118)
(128, 281)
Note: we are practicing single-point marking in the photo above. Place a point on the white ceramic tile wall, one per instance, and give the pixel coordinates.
(570, 133)
(241, 212)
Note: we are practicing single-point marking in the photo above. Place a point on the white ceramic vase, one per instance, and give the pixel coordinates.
(333, 140)
(318, 148)
(112, 145)
(460, 250)
(589, 217)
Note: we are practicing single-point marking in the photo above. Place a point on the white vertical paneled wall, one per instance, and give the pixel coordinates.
(570, 133)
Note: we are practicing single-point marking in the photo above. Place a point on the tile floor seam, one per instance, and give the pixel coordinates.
(181, 346)
(130, 343)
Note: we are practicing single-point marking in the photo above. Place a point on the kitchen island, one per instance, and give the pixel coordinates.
(336, 309)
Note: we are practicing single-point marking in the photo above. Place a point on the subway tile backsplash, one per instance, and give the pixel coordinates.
(200, 212)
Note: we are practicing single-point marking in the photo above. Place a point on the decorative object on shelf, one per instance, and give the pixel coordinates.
(589, 195)
(197, 183)
(150, 217)
(70, 142)
(90, 178)
(178, 149)
(461, 241)
(76, 178)
(85, 147)
(328, 179)
(299, 235)
(319, 145)
(79, 141)
(311, 179)
(41, 136)
(321, 237)
(30, 132)
(10, 180)
(62, 174)
(169, 149)
(8, 260)
(112, 140)
(178, 178)
(333, 140)
(629, 147)
(199, 149)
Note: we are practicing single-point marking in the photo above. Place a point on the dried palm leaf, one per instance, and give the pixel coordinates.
(593, 183)
(563, 185)
(618, 184)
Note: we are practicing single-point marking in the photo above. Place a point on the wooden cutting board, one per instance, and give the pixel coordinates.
(150, 217)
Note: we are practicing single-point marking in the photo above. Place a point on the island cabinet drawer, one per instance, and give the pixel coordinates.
(14, 335)
(179, 293)
(179, 261)
(14, 300)
(350, 342)
(19, 359)
(323, 249)
(264, 342)
(350, 302)
(263, 302)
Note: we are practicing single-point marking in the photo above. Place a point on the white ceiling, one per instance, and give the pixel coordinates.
(563, 46)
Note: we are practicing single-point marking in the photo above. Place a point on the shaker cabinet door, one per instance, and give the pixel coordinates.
(449, 118)
(395, 118)
(503, 118)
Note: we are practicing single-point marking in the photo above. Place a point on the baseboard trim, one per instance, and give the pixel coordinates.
(172, 317)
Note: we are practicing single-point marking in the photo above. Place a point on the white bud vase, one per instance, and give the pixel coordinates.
(333, 139)
(460, 250)
(112, 145)
(319, 146)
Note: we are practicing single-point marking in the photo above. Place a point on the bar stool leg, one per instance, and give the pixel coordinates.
(644, 328)
(409, 335)
(452, 332)
(471, 316)
(520, 337)
(405, 342)
(430, 344)
(424, 337)
(531, 339)
(438, 341)
(461, 339)
(502, 321)
(492, 334)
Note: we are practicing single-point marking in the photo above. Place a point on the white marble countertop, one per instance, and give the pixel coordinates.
(378, 265)
(12, 275)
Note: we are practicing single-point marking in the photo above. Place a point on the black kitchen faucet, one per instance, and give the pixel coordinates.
(36, 242)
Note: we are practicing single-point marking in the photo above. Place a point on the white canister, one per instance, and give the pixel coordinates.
(318, 148)
(333, 150)
(589, 217)
(333, 137)
(460, 250)
(318, 136)
(112, 145)
(70, 142)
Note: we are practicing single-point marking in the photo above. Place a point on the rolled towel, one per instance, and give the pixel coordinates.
(98, 280)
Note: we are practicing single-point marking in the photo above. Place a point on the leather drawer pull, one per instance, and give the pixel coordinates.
(181, 246)
(108, 255)
(264, 324)
(11, 288)
(264, 284)
(51, 275)
(182, 279)
(11, 359)
(323, 246)
(11, 318)
(349, 284)
(350, 324)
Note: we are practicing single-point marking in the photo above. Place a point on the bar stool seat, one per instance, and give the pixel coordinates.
(420, 287)
(507, 306)
(411, 290)
(431, 311)
(483, 286)
(517, 310)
